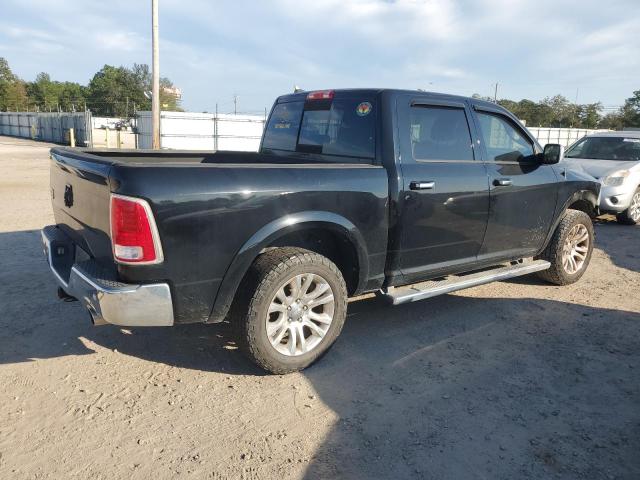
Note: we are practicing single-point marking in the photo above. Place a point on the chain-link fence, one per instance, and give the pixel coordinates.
(202, 131)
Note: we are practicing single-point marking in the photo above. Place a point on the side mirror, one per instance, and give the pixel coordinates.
(553, 153)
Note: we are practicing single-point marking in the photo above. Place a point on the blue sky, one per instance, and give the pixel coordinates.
(261, 49)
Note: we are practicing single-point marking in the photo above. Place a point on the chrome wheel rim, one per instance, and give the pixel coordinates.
(575, 249)
(634, 208)
(300, 314)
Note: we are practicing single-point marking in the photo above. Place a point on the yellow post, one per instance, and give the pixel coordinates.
(72, 137)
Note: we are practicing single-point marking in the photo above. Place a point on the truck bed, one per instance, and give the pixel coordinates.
(208, 206)
(158, 157)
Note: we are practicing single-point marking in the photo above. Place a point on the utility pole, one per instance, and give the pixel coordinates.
(575, 108)
(495, 94)
(155, 84)
(235, 104)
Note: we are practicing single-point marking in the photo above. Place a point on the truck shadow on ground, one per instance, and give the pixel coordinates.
(35, 324)
(613, 239)
(463, 387)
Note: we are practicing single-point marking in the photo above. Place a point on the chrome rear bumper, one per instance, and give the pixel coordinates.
(108, 300)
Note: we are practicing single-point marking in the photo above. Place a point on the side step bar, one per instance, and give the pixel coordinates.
(432, 288)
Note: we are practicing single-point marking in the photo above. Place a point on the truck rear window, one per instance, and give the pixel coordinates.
(343, 127)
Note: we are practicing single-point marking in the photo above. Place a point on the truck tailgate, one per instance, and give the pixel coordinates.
(80, 195)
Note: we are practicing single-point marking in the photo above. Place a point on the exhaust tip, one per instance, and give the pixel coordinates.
(96, 319)
(64, 296)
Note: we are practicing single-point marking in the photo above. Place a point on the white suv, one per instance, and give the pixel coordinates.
(614, 159)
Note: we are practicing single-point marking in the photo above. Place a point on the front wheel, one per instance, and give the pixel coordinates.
(291, 309)
(570, 249)
(631, 215)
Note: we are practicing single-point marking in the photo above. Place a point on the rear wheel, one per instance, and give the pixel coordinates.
(570, 249)
(292, 309)
(631, 215)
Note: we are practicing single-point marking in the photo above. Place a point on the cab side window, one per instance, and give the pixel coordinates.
(502, 140)
(440, 133)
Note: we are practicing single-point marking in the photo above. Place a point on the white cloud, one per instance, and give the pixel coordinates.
(260, 49)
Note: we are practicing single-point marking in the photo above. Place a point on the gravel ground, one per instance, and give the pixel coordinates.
(511, 380)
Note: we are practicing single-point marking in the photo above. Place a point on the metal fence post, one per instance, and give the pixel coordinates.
(215, 132)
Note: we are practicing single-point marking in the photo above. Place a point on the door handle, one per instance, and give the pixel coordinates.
(422, 185)
(502, 182)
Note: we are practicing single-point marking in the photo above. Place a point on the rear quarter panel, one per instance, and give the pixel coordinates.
(207, 213)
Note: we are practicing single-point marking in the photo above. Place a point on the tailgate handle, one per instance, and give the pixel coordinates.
(422, 185)
(68, 196)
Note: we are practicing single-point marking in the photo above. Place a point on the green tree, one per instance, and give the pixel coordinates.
(612, 121)
(111, 89)
(631, 110)
(116, 90)
(47, 94)
(72, 96)
(43, 92)
(13, 94)
(628, 116)
(588, 115)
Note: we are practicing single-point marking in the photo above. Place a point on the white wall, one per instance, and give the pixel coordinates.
(203, 131)
(104, 122)
(563, 136)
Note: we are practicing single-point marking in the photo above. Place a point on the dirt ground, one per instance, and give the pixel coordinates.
(512, 380)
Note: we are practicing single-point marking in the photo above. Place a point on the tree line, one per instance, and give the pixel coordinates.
(112, 91)
(558, 111)
(120, 91)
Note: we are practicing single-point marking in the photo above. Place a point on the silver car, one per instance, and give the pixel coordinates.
(614, 159)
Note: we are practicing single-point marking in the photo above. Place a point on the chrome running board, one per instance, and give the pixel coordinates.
(432, 288)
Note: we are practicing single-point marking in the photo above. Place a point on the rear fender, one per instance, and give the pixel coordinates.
(268, 235)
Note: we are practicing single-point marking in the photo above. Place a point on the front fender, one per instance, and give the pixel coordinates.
(270, 233)
(589, 194)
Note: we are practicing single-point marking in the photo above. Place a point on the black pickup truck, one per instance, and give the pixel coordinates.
(407, 194)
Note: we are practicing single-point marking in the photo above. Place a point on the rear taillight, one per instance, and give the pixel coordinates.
(320, 95)
(134, 235)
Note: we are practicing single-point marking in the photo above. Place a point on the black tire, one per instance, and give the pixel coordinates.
(267, 274)
(553, 253)
(625, 217)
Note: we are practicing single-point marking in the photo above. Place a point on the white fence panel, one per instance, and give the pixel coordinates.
(203, 131)
(563, 136)
(47, 126)
(206, 131)
(107, 122)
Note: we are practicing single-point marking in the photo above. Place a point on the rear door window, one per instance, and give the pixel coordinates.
(344, 127)
(440, 133)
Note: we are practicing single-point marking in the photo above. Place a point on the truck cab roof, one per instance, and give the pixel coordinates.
(348, 92)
